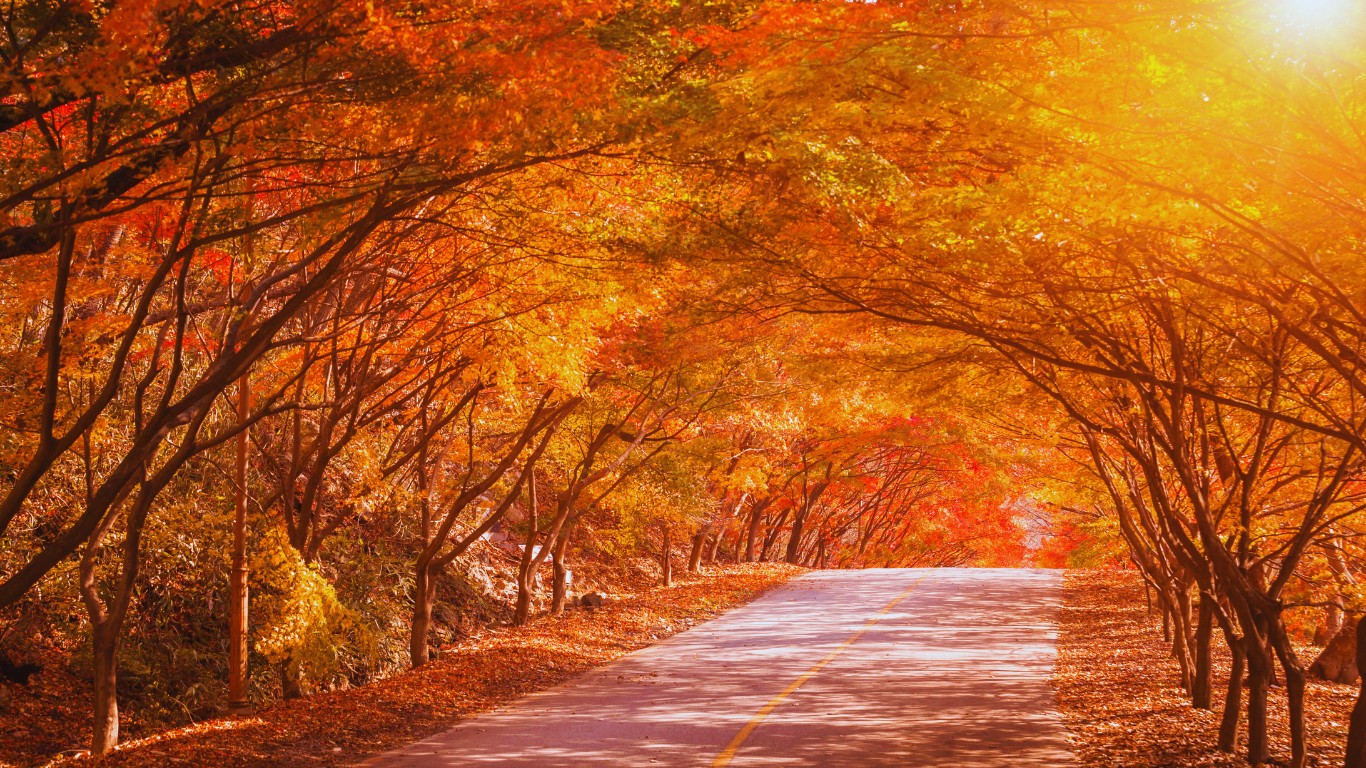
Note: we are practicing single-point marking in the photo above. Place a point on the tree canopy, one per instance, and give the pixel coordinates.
(839, 284)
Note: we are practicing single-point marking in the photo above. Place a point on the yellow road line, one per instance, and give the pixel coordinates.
(722, 760)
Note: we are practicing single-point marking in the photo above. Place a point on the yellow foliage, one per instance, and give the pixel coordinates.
(298, 620)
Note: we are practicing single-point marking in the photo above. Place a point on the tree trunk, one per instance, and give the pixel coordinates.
(106, 734)
(522, 612)
(1204, 634)
(1338, 662)
(775, 529)
(424, 595)
(666, 567)
(712, 546)
(735, 549)
(756, 518)
(560, 588)
(1294, 691)
(1181, 636)
(1185, 624)
(1331, 626)
(1334, 618)
(699, 541)
(291, 682)
(1259, 670)
(1233, 696)
(1356, 730)
(238, 598)
(794, 540)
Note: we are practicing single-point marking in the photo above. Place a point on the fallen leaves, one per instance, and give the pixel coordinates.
(343, 727)
(37, 721)
(1119, 689)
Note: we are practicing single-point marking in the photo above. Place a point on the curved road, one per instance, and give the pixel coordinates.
(907, 667)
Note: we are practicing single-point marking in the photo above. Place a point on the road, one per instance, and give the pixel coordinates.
(894, 667)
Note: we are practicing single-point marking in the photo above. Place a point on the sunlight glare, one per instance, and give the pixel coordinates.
(1314, 14)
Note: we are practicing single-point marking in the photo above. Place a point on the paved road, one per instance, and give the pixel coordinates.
(907, 668)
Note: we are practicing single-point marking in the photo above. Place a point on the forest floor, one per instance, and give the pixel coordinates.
(343, 727)
(1119, 688)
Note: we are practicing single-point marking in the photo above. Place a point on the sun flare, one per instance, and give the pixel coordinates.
(1317, 14)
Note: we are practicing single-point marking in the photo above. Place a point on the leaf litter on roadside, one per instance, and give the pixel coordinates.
(342, 727)
(1119, 688)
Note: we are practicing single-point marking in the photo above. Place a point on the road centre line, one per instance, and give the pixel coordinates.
(722, 760)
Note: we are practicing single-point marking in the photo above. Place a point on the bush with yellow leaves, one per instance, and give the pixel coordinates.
(298, 621)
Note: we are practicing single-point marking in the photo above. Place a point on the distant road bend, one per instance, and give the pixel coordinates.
(893, 667)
